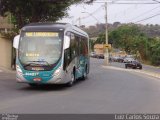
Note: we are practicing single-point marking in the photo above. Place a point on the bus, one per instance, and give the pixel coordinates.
(51, 53)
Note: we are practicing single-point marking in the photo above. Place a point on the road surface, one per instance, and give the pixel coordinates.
(107, 90)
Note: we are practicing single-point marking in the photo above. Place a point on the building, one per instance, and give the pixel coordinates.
(6, 49)
(99, 48)
(5, 53)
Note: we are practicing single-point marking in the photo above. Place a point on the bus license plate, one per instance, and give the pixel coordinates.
(37, 79)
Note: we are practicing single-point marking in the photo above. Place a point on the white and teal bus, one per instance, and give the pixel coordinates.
(51, 53)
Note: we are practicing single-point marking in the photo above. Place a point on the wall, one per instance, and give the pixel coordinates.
(5, 53)
(99, 49)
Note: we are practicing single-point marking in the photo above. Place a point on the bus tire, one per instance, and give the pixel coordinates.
(73, 79)
(84, 77)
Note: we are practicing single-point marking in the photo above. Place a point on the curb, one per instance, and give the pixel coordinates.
(158, 67)
(149, 73)
(156, 75)
(5, 70)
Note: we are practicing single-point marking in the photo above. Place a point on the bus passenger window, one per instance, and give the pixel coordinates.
(77, 38)
(73, 46)
(67, 58)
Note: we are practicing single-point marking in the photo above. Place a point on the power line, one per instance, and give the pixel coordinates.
(143, 13)
(125, 0)
(128, 1)
(91, 14)
(114, 3)
(123, 11)
(136, 3)
(147, 18)
(156, 1)
(97, 10)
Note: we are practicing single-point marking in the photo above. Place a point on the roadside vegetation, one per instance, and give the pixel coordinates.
(141, 40)
(132, 39)
(27, 11)
(22, 12)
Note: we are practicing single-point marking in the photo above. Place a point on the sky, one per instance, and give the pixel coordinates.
(124, 13)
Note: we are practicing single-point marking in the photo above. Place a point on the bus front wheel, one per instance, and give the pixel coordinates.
(73, 79)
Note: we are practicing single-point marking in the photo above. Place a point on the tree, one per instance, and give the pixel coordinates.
(154, 51)
(102, 39)
(26, 11)
(131, 39)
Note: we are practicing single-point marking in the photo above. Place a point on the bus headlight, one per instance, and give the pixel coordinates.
(57, 72)
(19, 71)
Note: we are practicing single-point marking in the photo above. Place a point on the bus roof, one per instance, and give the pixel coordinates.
(53, 27)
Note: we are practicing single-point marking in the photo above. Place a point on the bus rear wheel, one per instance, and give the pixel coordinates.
(84, 77)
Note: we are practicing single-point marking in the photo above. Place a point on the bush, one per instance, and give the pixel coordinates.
(9, 35)
(155, 54)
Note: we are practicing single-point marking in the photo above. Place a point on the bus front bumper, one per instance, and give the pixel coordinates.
(53, 80)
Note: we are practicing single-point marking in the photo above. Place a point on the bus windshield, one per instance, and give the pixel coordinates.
(40, 48)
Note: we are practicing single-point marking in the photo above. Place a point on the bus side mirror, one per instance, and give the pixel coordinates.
(16, 41)
(66, 42)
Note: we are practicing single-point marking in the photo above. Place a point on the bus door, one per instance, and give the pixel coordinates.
(77, 59)
(81, 56)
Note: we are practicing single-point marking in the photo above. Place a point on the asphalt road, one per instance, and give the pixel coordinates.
(146, 68)
(107, 90)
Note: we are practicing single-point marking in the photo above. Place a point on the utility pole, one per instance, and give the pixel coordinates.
(106, 55)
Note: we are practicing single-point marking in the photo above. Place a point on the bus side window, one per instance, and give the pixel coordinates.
(67, 58)
(73, 46)
(84, 46)
(85, 42)
(77, 39)
(67, 54)
(80, 47)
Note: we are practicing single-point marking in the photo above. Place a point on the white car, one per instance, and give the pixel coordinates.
(93, 54)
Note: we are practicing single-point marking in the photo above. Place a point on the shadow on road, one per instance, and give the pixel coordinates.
(50, 87)
(45, 88)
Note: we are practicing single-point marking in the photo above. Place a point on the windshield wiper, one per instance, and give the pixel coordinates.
(44, 62)
(37, 63)
(30, 64)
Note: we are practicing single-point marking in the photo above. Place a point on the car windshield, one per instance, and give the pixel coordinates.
(135, 61)
(131, 59)
(40, 48)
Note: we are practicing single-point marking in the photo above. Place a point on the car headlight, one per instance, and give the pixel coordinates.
(57, 72)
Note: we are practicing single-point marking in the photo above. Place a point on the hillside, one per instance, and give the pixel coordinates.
(149, 30)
